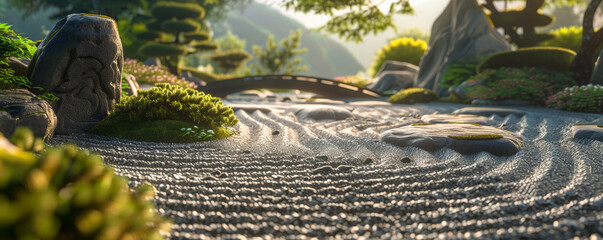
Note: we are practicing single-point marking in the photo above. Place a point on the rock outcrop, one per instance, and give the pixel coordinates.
(597, 77)
(19, 107)
(80, 62)
(394, 76)
(461, 32)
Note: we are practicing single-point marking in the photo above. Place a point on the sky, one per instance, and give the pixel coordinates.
(426, 11)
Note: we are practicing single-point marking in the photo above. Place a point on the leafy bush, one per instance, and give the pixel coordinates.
(413, 95)
(532, 84)
(67, 193)
(403, 49)
(153, 74)
(158, 114)
(553, 58)
(587, 98)
(566, 37)
(458, 72)
(13, 45)
(358, 80)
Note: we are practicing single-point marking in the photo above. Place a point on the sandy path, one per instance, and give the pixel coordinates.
(553, 188)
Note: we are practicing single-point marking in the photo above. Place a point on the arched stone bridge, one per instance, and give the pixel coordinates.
(324, 87)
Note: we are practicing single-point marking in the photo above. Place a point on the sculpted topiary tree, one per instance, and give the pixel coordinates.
(526, 19)
(230, 60)
(582, 65)
(175, 31)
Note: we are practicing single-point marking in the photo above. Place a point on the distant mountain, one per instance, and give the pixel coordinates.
(325, 57)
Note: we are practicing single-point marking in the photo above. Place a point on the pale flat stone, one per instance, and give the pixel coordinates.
(489, 111)
(322, 112)
(451, 118)
(587, 132)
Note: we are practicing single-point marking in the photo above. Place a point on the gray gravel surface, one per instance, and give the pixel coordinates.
(552, 189)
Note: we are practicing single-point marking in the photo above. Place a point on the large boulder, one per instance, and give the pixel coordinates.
(19, 107)
(461, 32)
(80, 62)
(392, 81)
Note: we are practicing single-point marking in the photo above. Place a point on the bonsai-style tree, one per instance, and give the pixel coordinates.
(526, 19)
(591, 39)
(175, 31)
(230, 60)
(281, 58)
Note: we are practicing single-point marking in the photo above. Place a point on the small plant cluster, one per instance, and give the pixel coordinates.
(13, 45)
(532, 84)
(153, 74)
(358, 80)
(459, 72)
(414, 95)
(68, 193)
(198, 134)
(402, 49)
(565, 37)
(587, 98)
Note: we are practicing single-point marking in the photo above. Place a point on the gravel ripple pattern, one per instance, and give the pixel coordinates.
(335, 179)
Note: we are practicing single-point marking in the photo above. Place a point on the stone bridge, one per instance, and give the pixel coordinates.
(321, 86)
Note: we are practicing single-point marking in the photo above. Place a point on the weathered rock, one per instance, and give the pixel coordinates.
(452, 118)
(188, 76)
(18, 65)
(80, 62)
(131, 80)
(461, 91)
(152, 62)
(392, 81)
(489, 111)
(597, 77)
(19, 107)
(463, 138)
(390, 65)
(323, 112)
(461, 32)
(594, 132)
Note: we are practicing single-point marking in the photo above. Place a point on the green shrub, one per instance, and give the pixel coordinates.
(403, 49)
(153, 74)
(587, 98)
(553, 58)
(160, 113)
(153, 49)
(358, 80)
(68, 193)
(13, 45)
(458, 72)
(414, 95)
(532, 84)
(566, 37)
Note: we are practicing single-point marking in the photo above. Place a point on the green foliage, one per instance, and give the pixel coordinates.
(13, 45)
(68, 193)
(413, 95)
(199, 36)
(168, 10)
(152, 49)
(566, 37)
(171, 102)
(532, 84)
(402, 49)
(358, 80)
(199, 134)
(361, 17)
(281, 58)
(231, 59)
(230, 42)
(414, 33)
(186, 25)
(553, 58)
(149, 35)
(587, 98)
(458, 72)
(476, 137)
(152, 74)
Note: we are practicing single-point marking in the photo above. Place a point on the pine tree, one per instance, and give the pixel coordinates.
(281, 58)
(174, 31)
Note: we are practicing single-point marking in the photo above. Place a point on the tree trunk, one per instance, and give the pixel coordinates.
(582, 65)
(172, 68)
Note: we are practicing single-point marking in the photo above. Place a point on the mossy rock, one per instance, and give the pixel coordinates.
(553, 58)
(476, 137)
(414, 95)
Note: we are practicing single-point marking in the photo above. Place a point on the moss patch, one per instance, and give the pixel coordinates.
(476, 137)
(150, 130)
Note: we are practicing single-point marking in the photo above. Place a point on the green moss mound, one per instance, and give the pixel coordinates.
(67, 193)
(164, 110)
(552, 58)
(414, 95)
(476, 137)
(402, 49)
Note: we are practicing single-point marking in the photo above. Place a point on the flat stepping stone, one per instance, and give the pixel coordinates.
(370, 103)
(323, 112)
(594, 132)
(250, 108)
(489, 111)
(455, 118)
(464, 138)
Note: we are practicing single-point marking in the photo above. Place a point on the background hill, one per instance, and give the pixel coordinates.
(325, 57)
